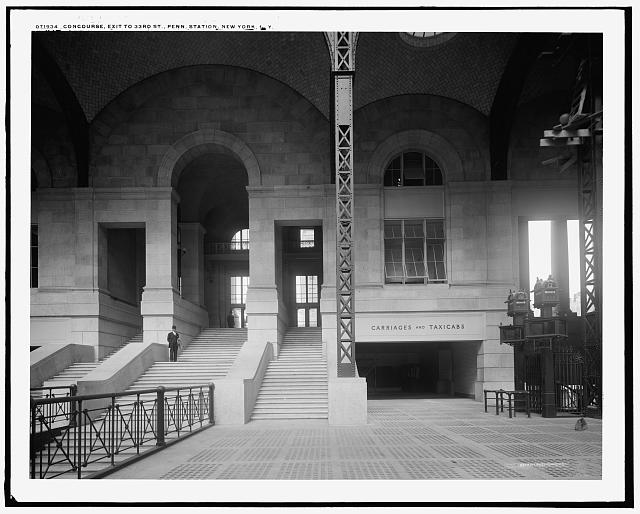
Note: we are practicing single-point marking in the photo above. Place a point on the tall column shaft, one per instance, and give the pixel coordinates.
(560, 261)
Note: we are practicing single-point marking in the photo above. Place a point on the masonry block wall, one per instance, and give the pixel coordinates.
(288, 136)
(282, 140)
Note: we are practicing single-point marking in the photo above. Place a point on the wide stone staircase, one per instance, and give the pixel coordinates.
(208, 356)
(295, 386)
(78, 370)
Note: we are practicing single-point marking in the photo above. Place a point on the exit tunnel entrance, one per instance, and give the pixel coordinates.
(418, 368)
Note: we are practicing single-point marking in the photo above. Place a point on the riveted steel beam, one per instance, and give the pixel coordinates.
(342, 48)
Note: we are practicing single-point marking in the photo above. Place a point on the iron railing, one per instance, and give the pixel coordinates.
(58, 413)
(215, 248)
(104, 430)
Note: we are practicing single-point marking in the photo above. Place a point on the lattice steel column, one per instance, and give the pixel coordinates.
(590, 268)
(342, 46)
(591, 236)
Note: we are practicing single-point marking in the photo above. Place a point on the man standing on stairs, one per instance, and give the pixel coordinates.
(231, 319)
(174, 340)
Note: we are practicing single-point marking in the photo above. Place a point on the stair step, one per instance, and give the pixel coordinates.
(257, 417)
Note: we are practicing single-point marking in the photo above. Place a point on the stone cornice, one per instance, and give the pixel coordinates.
(290, 191)
(108, 193)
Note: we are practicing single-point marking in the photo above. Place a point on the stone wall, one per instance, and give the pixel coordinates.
(288, 136)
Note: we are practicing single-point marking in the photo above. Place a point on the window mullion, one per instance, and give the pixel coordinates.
(424, 251)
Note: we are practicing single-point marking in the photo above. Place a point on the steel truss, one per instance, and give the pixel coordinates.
(342, 46)
(590, 268)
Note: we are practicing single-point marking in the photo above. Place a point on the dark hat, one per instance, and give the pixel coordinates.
(173, 327)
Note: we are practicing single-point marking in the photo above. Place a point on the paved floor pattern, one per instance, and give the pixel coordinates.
(422, 439)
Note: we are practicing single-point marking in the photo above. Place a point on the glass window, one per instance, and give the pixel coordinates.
(239, 286)
(412, 169)
(240, 240)
(306, 289)
(301, 318)
(307, 238)
(414, 251)
(313, 317)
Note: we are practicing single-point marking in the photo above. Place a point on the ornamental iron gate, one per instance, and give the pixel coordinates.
(532, 380)
(568, 369)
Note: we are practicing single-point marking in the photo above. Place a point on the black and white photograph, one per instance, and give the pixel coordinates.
(317, 256)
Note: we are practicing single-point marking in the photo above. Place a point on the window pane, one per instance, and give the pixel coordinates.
(312, 289)
(393, 259)
(413, 229)
(313, 317)
(435, 258)
(414, 257)
(235, 290)
(413, 170)
(432, 172)
(392, 178)
(301, 289)
(393, 229)
(240, 240)
(307, 239)
(301, 318)
(245, 285)
(435, 229)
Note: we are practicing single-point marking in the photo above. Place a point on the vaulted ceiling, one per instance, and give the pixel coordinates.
(100, 65)
(79, 73)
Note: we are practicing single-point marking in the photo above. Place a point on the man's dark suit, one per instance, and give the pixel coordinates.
(173, 337)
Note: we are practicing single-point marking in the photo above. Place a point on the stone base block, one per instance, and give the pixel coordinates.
(348, 401)
(229, 402)
(481, 386)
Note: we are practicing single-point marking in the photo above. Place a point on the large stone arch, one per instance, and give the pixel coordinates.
(436, 146)
(198, 143)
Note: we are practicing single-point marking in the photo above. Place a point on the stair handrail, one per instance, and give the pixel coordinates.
(97, 433)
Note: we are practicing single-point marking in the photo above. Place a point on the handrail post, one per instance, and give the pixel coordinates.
(78, 413)
(31, 439)
(160, 417)
(112, 429)
(212, 387)
(73, 391)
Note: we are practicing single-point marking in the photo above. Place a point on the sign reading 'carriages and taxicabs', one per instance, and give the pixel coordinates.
(383, 327)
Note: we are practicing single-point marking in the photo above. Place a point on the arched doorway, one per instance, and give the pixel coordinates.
(213, 208)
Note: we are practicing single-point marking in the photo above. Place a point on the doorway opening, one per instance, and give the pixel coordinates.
(418, 369)
(302, 273)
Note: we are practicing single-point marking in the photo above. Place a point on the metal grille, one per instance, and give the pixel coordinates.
(457, 452)
(418, 469)
(307, 453)
(489, 470)
(306, 471)
(568, 370)
(532, 381)
(367, 470)
(191, 471)
(522, 450)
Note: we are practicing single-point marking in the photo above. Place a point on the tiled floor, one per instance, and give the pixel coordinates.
(424, 439)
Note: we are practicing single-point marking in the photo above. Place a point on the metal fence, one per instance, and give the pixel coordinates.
(80, 435)
(568, 373)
